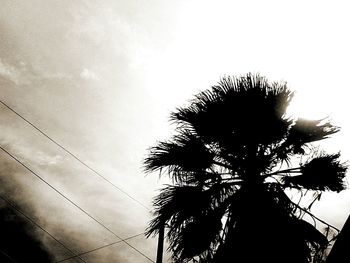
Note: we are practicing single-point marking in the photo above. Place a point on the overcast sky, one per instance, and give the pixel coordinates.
(101, 77)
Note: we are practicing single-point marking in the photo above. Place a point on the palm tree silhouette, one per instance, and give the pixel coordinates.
(233, 157)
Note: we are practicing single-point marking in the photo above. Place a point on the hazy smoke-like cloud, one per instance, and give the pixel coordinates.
(87, 74)
(19, 239)
(9, 72)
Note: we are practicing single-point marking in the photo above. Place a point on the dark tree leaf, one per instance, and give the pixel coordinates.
(185, 153)
(324, 172)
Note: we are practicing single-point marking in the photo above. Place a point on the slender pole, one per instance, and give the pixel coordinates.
(160, 245)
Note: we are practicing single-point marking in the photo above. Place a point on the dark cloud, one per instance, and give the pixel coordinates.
(19, 239)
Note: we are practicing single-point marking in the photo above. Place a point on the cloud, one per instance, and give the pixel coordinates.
(17, 232)
(44, 159)
(9, 72)
(87, 74)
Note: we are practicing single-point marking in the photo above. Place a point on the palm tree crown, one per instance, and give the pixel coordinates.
(231, 160)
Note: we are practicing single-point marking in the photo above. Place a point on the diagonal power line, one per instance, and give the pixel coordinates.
(101, 247)
(74, 156)
(73, 203)
(13, 206)
(74, 255)
(7, 256)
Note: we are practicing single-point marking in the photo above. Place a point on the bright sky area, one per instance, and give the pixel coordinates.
(101, 77)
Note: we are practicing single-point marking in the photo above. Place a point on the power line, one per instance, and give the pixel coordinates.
(13, 206)
(73, 203)
(7, 256)
(101, 247)
(75, 255)
(73, 155)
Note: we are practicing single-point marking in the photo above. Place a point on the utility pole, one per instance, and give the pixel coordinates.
(160, 244)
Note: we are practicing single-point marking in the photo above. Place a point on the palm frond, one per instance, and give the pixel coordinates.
(323, 172)
(307, 131)
(197, 236)
(185, 153)
(247, 109)
(310, 234)
(180, 203)
(193, 216)
(174, 200)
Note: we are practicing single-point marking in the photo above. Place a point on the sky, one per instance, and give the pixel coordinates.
(101, 78)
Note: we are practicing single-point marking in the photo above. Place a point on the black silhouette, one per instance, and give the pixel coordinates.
(233, 157)
(340, 251)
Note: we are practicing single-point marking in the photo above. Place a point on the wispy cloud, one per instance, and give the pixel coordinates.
(87, 74)
(9, 72)
(31, 155)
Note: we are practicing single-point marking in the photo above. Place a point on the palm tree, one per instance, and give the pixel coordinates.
(232, 162)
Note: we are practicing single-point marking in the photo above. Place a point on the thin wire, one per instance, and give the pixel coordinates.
(74, 204)
(74, 156)
(37, 225)
(75, 255)
(101, 247)
(7, 256)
